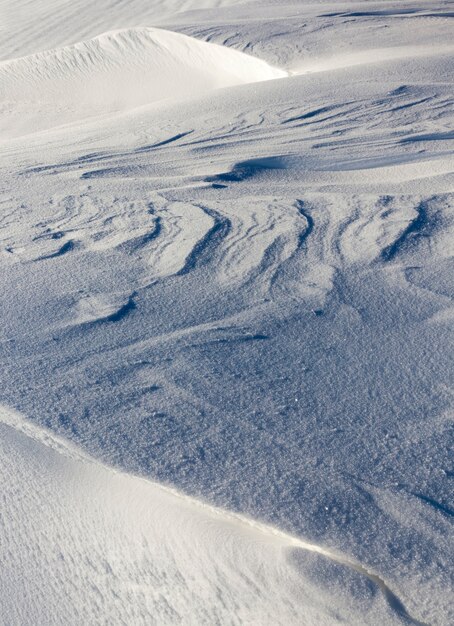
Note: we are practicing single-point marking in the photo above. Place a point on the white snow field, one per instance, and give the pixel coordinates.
(226, 295)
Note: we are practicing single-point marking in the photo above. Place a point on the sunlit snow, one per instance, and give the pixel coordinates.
(226, 247)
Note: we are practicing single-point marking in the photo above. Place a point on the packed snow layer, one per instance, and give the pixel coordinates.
(113, 72)
(247, 295)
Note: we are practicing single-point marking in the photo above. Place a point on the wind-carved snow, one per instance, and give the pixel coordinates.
(242, 293)
(162, 234)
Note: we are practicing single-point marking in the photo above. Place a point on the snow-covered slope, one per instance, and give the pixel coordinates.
(243, 293)
(125, 550)
(113, 72)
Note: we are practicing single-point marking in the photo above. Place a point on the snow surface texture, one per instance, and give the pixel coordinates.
(124, 550)
(227, 272)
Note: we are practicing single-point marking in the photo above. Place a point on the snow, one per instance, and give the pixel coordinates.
(116, 71)
(125, 550)
(226, 247)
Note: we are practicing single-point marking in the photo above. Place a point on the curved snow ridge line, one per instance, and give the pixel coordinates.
(117, 71)
(15, 420)
(45, 437)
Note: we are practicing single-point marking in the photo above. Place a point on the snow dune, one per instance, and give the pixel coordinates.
(126, 550)
(116, 71)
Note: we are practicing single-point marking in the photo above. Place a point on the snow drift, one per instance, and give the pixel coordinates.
(86, 544)
(116, 71)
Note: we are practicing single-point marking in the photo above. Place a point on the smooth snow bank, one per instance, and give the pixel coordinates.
(84, 544)
(116, 71)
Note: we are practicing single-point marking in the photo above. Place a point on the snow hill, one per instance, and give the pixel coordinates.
(114, 72)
